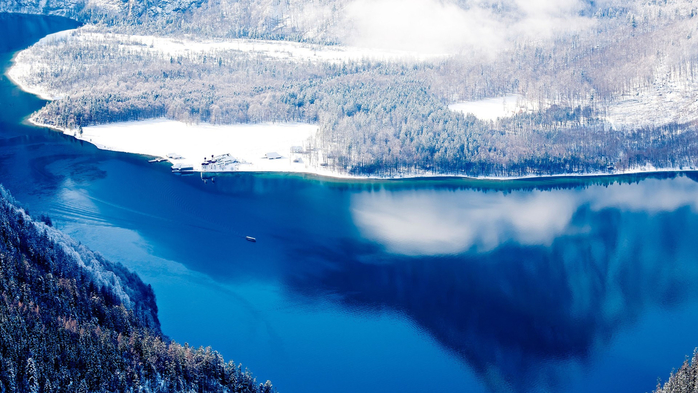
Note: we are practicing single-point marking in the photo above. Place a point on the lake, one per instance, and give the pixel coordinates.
(564, 285)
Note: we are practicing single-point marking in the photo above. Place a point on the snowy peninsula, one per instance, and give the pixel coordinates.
(191, 144)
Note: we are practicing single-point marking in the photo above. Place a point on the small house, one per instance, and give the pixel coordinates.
(272, 156)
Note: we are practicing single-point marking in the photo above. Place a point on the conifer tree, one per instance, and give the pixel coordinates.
(32, 376)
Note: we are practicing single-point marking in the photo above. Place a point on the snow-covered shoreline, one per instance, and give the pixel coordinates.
(252, 154)
(191, 144)
(20, 72)
(17, 72)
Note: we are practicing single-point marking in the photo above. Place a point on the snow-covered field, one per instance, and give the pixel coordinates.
(248, 142)
(275, 49)
(494, 108)
(285, 50)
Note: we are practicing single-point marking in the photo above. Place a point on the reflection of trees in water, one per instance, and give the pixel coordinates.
(519, 314)
(239, 182)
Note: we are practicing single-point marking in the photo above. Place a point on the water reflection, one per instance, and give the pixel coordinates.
(434, 222)
(524, 286)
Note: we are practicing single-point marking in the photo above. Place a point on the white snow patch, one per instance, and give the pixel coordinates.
(248, 142)
(494, 108)
(286, 50)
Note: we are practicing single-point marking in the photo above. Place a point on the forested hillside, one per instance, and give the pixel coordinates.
(615, 91)
(300, 20)
(71, 321)
(685, 379)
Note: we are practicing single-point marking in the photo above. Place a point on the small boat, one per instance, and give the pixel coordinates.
(250, 239)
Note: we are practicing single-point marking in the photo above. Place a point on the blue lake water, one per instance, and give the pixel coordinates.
(563, 285)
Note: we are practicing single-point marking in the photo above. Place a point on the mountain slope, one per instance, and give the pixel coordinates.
(72, 321)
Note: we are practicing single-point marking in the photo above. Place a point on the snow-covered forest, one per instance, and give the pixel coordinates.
(685, 379)
(71, 321)
(615, 90)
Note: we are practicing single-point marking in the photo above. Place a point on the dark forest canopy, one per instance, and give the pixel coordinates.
(71, 321)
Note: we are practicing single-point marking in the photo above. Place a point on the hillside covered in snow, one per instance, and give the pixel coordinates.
(601, 87)
(71, 321)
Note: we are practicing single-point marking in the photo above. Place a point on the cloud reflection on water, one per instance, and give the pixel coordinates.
(429, 222)
(432, 223)
(529, 288)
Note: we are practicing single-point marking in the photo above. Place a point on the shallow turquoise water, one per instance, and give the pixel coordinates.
(549, 285)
